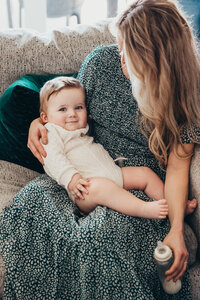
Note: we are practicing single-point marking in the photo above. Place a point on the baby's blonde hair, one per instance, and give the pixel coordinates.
(55, 86)
(161, 51)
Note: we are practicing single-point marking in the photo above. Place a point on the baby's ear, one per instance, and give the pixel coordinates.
(43, 116)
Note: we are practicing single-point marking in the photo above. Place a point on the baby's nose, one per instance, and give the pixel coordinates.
(71, 112)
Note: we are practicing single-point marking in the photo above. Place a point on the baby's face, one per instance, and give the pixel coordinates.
(67, 109)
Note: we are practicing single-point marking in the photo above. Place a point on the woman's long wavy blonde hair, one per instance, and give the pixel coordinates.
(161, 52)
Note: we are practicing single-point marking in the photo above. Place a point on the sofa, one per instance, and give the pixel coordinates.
(62, 51)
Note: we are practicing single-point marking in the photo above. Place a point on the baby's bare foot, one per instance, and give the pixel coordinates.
(156, 209)
(163, 208)
(191, 206)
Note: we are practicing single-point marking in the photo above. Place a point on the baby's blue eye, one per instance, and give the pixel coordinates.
(79, 107)
(62, 109)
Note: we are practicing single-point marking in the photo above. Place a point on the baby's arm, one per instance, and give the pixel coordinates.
(56, 164)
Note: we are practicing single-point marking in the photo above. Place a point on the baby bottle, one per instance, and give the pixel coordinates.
(164, 258)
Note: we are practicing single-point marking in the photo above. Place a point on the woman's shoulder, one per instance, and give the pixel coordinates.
(103, 50)
(102, 55)
(102, 60)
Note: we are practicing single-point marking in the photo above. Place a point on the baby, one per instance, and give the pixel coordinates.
(83, 167)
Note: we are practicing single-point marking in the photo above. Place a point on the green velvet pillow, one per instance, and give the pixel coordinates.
(19, 106)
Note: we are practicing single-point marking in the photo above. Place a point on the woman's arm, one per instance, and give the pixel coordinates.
(176, 193)
(37, 131)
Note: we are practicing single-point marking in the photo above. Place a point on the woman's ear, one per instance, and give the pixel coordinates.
(44, 117)
(123, 64)
(122, 58)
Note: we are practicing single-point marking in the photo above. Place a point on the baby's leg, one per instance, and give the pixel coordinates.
(143, 178)
(105, 192)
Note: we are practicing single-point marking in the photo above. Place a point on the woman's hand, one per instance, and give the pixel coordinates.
(175, 240)
(37, 131)
(77, 186)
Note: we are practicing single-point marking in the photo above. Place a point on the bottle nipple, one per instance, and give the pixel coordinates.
(162, 252)
(160, 247)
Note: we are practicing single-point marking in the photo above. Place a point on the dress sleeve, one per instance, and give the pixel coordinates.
(56, 164)
(190, 135)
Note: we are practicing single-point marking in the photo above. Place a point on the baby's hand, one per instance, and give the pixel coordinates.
(77, 186)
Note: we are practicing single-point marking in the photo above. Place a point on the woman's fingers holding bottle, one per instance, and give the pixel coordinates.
(183, 265)
(183, 269)
(179, 265)
(175, 240)
(175, 270)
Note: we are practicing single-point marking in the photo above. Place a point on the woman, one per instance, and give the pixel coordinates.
(159, 50)
(106, 255)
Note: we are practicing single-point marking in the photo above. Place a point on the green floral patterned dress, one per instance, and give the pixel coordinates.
(51, 251)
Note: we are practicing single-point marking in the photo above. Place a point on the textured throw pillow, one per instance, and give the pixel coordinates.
(19, 106)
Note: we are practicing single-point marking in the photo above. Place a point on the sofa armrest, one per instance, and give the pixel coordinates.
(12, 179)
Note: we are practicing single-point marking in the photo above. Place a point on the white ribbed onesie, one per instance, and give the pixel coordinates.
(70, 152)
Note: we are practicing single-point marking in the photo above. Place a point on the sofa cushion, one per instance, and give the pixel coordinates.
(194, 272)
(61, 51)
(19, 105)
(12, 179)
(191, 244)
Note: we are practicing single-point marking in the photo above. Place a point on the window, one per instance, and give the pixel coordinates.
(44, 15)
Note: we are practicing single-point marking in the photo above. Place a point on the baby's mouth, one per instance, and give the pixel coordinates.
(71, 122)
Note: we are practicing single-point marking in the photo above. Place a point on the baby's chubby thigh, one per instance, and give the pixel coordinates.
(99, 191)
